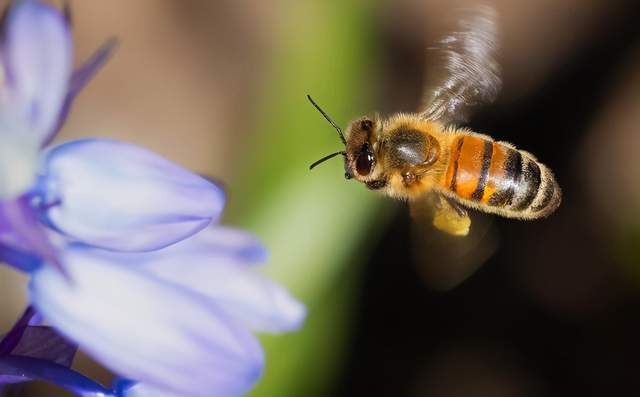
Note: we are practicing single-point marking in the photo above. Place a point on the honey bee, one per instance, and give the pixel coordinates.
(426, 157)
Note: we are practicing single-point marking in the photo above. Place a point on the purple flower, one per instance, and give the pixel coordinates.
(177, 319)
(100, 192)
(122, 197)
(141, 279)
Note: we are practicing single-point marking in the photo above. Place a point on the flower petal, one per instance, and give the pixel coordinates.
(146, 329)
(242, 293)
(133, 389)
(20, 260)
(37, 52)
(23, 240)
(13, 337)
(79, 79)
(123, 197)
(219, 243)
(85, 73)
(216, 263)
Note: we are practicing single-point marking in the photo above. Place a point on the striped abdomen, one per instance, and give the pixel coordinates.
(500, 179)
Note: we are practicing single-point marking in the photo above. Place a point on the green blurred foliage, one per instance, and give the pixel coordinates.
(314, 223)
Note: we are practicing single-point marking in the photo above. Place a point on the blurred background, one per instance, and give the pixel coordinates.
(553, 308)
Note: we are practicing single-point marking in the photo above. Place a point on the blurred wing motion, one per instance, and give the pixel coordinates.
(470, 73)
(444, 259)
(469, 76)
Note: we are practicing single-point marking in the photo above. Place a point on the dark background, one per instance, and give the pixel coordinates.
(550, 312)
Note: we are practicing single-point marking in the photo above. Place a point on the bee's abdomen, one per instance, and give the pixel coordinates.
(500, 178)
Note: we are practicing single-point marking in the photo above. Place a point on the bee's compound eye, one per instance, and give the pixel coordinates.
(366, 124)
(364, 162)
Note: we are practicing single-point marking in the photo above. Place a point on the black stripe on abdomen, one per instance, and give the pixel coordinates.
(484, 171)
(512, 173)
(547, 194)
(456, 158)
(528, 185)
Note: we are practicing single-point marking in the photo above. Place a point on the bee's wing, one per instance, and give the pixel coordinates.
(469, 73)
(447, 259)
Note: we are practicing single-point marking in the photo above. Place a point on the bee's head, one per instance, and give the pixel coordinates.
(360, 157)
(360, 148)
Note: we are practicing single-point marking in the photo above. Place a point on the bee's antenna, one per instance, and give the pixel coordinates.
(329, 120)
(325, 158)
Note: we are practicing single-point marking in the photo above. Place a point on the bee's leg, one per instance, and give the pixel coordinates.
(409, 178)
(457, 207)
(414, 173)
(450, 217)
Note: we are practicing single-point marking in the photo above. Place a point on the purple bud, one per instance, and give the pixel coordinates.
(123, 197)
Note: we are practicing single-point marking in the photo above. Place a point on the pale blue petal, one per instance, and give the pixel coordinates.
(37, 54)
(146, 329)
(123, 197)
(216, 263)
(229, 241)
(240, 291)
(146, 390)
(244, 294)
(221, 243)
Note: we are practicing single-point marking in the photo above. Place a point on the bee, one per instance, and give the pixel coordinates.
(426, 157)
